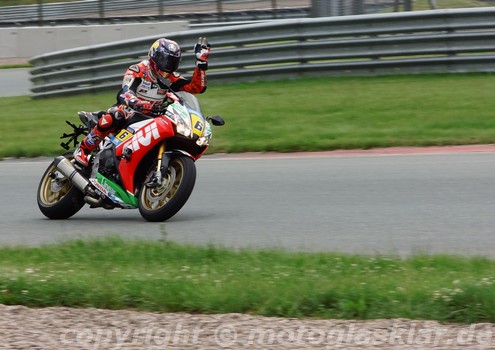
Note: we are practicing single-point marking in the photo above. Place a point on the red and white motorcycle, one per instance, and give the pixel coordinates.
(149, 164)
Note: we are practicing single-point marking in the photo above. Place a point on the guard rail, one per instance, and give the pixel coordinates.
(111, 11)
(397, 43)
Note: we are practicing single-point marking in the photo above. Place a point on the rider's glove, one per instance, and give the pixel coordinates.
(202, 50)
(142, 106)
(131, 100)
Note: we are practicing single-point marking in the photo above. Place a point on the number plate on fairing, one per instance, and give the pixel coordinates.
(198, 124)
(122, 136)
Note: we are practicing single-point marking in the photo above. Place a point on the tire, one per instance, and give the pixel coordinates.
(58, 200)
(163, 202)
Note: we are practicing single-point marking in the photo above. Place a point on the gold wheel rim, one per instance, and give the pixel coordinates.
(51, 192)
(156, 198)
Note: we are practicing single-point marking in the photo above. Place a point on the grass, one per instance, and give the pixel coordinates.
(167, 277)
(10, 66)
(296, 115)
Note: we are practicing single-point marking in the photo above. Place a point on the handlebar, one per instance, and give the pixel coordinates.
(167, 102)
(156, 112)
(163, 107)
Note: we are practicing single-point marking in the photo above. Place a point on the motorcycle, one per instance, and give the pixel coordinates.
(149, 164)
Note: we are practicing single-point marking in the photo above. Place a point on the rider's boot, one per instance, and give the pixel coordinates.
(88, 145)
(106, 123)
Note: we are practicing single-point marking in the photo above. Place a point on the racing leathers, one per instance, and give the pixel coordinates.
(141, 92)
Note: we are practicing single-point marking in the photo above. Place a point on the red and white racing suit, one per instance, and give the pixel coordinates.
(139, 84)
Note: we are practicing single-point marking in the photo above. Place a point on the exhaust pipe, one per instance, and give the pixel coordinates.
(67, 169)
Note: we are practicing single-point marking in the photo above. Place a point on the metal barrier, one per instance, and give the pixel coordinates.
(112, 11)
(196, 11)
(398, 43)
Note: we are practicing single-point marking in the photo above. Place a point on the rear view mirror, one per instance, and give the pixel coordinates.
(216, 120)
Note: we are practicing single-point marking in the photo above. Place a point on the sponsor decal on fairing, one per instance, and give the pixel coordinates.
(144, 137)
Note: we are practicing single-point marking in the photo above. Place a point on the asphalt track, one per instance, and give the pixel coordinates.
(391, 201)
(14, 82)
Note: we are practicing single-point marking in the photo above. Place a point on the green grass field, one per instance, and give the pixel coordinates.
(296, 115)
(166, 277)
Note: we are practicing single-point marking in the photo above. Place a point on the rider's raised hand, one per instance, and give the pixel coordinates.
(202, 51)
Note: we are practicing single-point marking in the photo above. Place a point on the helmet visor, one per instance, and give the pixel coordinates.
(166, 63)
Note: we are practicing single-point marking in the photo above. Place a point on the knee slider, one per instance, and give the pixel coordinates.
(119, 116)
(106, 122)
(112, 120)
(117, 113)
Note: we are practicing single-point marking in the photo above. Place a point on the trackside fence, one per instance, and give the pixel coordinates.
(437, 41)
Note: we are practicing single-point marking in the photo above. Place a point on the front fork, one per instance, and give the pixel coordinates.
(161, 167)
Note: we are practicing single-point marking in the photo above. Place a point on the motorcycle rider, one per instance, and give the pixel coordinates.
(144, 89)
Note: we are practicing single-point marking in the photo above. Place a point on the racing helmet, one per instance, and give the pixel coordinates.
(164, 57)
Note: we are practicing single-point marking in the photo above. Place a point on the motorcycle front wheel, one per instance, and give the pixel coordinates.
(162, 201)
(57, 197)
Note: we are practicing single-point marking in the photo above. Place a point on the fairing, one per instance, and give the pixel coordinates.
(147, 135)
(183, 128)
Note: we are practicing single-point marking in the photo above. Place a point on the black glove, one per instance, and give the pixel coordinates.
(202, 50)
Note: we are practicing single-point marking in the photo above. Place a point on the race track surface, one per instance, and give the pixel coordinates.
(364, 202)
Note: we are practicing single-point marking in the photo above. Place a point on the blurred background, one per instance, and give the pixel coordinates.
(56, 12)
(37, 28)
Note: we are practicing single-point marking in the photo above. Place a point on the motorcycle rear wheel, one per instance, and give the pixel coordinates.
(58, 200)
(162, 202)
